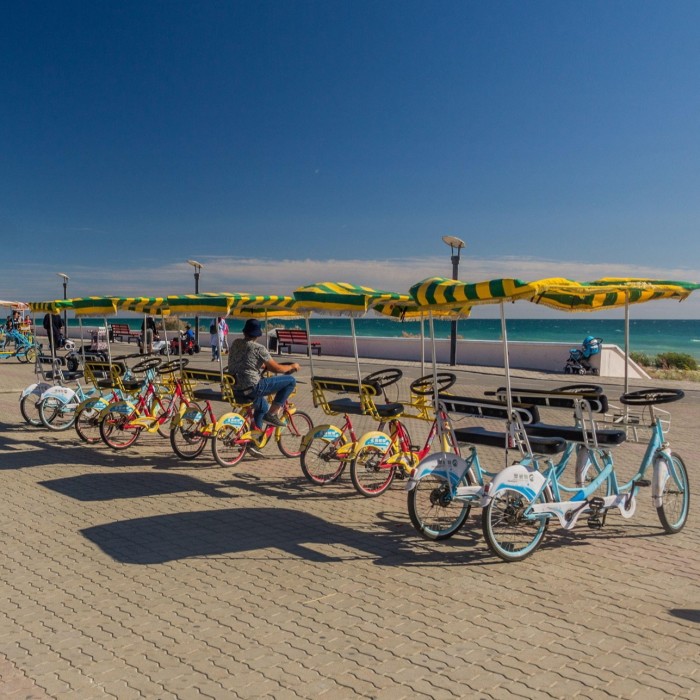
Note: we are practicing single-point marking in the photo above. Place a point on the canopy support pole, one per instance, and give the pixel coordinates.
(356, 352)
(308, 335)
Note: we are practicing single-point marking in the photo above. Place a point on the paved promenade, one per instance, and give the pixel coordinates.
(135, 575)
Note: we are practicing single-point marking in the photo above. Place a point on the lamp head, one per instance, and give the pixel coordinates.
(453, 242)
(65, 277)
(196, 265)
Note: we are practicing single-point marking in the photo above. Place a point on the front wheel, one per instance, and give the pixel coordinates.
(56, 415)
(289, 438)
(187, 438)
(371, 475)
(29, 408)
(509, 534)
(117, 432)
(675, 500)
(319, 460)
(434, 512)
(227, 447)
(87, 424)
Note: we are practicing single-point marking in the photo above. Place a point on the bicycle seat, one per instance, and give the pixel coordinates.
(208, 395)
(607, 437)
(385, 410)
(493, 438)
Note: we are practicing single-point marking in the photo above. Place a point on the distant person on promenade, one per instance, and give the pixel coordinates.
(247, 361)
(215, 339)
(53, 325)
(149, 333)
(224, 330)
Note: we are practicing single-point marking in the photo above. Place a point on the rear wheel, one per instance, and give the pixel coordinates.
(370, 474)
(117, 432)
(227, 447)
(435, 514)
(297, 425)
(319, 460)
(509, 534)
(29, 408)
(55, 414)
(187, 438)
(675, 504)
(87, 425)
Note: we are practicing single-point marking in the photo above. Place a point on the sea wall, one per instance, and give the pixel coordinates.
(546, 357)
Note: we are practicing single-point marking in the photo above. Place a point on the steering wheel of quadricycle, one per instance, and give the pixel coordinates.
(581, 389)
(172, 366)
(145, 365)
(383, 377)
(648, 397)
(426, 385)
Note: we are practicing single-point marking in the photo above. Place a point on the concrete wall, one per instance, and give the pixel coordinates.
(548, 357)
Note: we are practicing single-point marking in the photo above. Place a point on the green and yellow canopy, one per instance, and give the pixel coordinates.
(145, 305)
(442, 293)
(95, 306)
(51, 307)
(343, 297)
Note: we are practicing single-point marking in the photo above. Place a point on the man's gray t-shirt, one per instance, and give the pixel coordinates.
(245, 362)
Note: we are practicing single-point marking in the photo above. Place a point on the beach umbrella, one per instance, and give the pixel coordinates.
(609, 293)
(343, 298)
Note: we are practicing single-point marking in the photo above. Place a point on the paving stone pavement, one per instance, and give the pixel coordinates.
(135, 575)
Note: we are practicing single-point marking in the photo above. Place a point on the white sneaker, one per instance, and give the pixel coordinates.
(254, 451)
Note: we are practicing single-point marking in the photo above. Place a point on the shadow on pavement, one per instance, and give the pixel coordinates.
(690, 614)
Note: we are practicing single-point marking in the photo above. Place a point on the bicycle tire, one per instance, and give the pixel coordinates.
(187, 438)
(226, 448)
(434, 513)
(318, 461)
(87, 424)
(370, 475)
(55, 414)
(289, 438)
(116, 432)
(675, 503)
(29, 408)
(508, 535)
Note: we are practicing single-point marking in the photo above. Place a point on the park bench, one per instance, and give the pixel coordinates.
(287, 337)
(122, 332)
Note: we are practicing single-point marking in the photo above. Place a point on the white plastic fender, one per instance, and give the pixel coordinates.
(659, 476)
(444, 465)
(518, 477)
(63, 394)
(37, 388)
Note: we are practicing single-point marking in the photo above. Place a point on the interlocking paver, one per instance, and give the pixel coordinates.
(133, 574)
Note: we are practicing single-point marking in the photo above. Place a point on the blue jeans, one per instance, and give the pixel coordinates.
(282, 386)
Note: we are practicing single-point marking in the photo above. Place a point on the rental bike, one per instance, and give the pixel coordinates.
(523, 500)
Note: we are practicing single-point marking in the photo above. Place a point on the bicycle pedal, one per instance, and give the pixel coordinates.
(596, 503)
(595, 523)
(643, 482)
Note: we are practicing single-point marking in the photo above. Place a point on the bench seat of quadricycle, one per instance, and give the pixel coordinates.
(498, 438)
(208, 395)
(607, 438)
(385, 410)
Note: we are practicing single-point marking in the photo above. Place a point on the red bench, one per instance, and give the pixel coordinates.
(122, 332)
(287, 337)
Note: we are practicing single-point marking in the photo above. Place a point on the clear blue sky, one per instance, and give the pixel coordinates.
(283, 143)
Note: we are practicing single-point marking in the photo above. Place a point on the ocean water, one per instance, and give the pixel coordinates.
(648, 336)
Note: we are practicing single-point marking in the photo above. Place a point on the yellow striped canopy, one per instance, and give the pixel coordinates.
(442, 293)
(145, 305)
(270, 307)
(95, 306)
(343, 297)
(205, 303)
(51, 307)
(607, 293)
(411, 311)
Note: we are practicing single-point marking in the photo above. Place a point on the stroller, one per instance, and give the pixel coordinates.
(579, 358)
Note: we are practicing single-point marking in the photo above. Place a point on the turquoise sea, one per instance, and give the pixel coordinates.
(648, 336)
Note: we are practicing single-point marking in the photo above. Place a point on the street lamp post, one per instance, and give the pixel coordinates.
(65, 296)
(456, 244)
(197, 269)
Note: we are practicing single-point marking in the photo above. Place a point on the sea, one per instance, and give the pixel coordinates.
(651, 337)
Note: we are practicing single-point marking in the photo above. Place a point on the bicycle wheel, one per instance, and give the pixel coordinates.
(433, 511)
(319, 462)
(187, 438)
(289, 438)
(675, 503)
(55, 414)
(370, 474)
(87, 425)
(508, 534)
(29, 408)
(227, 447)
(116, 432)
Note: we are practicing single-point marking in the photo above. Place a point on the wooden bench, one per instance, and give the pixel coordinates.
(121, 331)
(286, 338)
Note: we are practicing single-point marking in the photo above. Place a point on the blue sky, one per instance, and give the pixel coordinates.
(282, 143)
